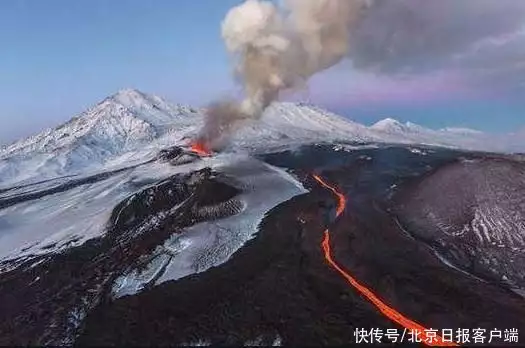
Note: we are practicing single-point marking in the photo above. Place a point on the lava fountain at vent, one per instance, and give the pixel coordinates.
(385, 309)
(200, 149)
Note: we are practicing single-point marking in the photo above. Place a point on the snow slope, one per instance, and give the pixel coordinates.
(68, 217)
(213, 242)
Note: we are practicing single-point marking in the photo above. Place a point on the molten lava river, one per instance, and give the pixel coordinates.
(409, 324)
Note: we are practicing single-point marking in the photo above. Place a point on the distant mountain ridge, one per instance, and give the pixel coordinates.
(131, 121)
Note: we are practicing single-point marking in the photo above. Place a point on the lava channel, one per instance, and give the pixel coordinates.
(418, 330)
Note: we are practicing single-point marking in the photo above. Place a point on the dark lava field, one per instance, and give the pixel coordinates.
(437, 235)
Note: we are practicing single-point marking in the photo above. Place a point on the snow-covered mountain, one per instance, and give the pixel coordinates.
(297, 122)
(120, 123)
(455, 137)
(132, 124)
(390, 125)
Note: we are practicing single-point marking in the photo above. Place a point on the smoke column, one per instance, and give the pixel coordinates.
(277, 48)
(280, 47)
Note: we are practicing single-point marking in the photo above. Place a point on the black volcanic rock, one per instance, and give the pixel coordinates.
(177, 155)
(171, 153)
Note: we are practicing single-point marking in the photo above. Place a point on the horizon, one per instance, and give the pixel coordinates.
(64, 57)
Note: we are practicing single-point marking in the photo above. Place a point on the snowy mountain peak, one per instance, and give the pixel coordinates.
(135, 99)
(149, 108)
(132, 98)
(390, 125)
(123, 122)
(130, 93)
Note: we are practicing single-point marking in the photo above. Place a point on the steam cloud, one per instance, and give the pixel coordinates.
(276, 49)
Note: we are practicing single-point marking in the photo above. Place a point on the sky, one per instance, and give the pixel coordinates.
(434, 63)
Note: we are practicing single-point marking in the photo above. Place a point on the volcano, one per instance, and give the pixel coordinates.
(116, 228)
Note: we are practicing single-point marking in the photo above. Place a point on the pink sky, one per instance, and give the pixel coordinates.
(353, 88)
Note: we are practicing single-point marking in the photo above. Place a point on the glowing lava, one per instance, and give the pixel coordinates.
(418, 330)
(200, 149)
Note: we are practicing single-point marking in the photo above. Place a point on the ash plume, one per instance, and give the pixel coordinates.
(278, 48)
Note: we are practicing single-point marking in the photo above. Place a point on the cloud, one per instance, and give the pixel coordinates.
(412, 44)
(496, 62)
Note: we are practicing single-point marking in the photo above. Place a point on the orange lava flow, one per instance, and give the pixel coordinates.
(200, 149)
(391, 313)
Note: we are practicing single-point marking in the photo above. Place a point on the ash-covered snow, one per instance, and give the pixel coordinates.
(473, 213)
(212, 243)
(71, 217)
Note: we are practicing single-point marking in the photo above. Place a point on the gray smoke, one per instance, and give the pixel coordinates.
(277, 48)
